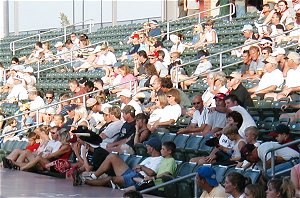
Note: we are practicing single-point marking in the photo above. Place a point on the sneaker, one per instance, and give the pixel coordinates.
(114, 186)
(7, 163)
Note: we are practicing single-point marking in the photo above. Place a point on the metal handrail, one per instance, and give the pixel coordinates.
(272, 150)
(226, 66)
(231, 12)
(75, 97)
(174, 181)
(19, 130)
(13, 43)
(225, 51)
(54, 66)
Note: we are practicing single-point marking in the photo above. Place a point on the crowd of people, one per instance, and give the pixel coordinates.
(93, 129)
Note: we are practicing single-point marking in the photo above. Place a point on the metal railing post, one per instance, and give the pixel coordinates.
(90, 29)
(221, 64)
(199, 17)
(65, 33)
(37, 117)
(195, 187)
(14, 48)
(39, 35)
(230, 12)
(4, 76)
(84, 100)
(168, 30)
(273, 163)
(71, 58)
(177, 77)
(130, 86)
(38, 70)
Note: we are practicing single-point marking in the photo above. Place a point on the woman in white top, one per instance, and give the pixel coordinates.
(210, 35)
(160, 103)
(171, 112)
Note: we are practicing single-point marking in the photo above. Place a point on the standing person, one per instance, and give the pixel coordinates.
(182, 11)
(206, 180)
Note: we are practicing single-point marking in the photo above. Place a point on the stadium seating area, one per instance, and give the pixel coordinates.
(265, 113)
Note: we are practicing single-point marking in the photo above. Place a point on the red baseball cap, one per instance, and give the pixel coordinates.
(135, 36)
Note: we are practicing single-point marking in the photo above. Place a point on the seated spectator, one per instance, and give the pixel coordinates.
(292, 80)
(258, 154)
(154, 29)
(142, 133)
(29, 78)
(235, 184)
(209, 36)
(220, 140)
(18, 155)
(272, 79)
(160, 46)
(127, 80)
(251, 135)
(77, 91)
(199, 117)
(246, 63)
(109, 134)
(167, 167)
(161, 69)
(123, 173)
(36, 102)
(72, 49)
(84, 41)
(125, 137)
(254, 191)
(203, 67)
(216, 84)
(80, 117)
(88, 152)
(139, 63)
(47, 52)
(206, 180)
(282, 135)
(257, 64)
(61, 107)
(295, 175)
(197, 35)
(280, 188)
(18, 91)
(74, 39)
(126, 99)
(61, 53)
(177, 46)
(10, 127)
(62, 153)
(36, 55)
(173, 98)
(283, 63)
(235, 87)
(157, 111)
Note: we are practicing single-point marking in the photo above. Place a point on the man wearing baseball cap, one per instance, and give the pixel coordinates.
(271, 79)
(206, 180)
(259, 154)
(282, 135)
(126, 98)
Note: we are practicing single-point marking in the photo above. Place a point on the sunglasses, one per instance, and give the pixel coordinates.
(194, 103)
(49, 97)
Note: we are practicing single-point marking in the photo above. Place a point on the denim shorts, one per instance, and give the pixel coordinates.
(128, 175)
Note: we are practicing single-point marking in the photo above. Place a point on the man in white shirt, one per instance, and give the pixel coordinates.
(272, 79)
(36, 101)
(292, 80)
(18, 91)
(126, 99)
(199, 119)
(258, 154)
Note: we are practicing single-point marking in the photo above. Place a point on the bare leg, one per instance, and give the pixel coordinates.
(99, 182)
(112, 161)
(34, 162)
(15, 154)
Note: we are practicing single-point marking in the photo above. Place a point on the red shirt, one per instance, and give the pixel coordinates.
(33, 147)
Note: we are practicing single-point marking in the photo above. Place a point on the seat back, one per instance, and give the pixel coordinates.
(193, 142)
(253, 174)
(168, 137)
(185, 169)
(180, 140)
